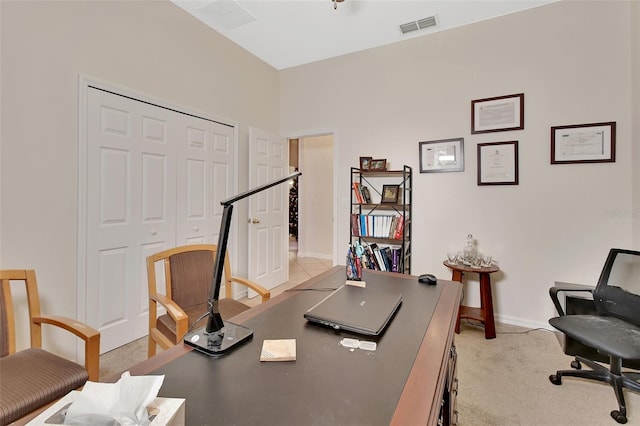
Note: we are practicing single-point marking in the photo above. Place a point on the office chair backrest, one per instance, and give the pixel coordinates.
(618, 291)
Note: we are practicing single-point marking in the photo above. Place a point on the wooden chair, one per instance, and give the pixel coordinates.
(188, 272)
(32, 378)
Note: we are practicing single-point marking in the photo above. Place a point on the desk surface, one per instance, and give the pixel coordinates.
(400, 383)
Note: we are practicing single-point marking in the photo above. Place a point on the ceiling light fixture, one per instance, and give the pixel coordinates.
(335, 3)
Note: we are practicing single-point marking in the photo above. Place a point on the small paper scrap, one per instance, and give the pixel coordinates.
(278, 350)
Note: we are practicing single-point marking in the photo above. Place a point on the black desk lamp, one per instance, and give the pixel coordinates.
(219, 336)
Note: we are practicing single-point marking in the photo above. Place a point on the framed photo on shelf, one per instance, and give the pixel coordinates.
(444, 155)
(390, 194)
(365, 163)
(379, 165)
(584, 143)
(498, 163)
(497, 114)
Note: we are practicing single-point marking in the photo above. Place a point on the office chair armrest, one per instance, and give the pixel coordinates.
(266, 294)
(567, 287)
(90, 335)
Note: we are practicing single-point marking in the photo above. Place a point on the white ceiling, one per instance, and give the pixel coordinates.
(288, 33)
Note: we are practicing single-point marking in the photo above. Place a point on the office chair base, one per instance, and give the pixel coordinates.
(613, 376)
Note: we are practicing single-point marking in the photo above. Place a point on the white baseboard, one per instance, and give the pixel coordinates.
(322, 256)
(523, 322)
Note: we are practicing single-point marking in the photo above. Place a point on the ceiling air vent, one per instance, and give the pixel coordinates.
(420, 24)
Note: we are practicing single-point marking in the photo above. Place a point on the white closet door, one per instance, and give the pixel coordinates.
(154, 180)
(205, 176)
(130, 210)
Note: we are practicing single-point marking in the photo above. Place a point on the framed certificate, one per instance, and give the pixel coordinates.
(497, 114)
(584, 143)
(445, 155)
(498, 163)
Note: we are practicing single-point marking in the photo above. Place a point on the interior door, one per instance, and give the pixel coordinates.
(131, 178)
(268, 210)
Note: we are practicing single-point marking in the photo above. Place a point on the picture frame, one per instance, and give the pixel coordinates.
(497, 114)
(365, 163)
(584, 143)
(390, 194)
(443, 155)
(498, 163)
(378, 165)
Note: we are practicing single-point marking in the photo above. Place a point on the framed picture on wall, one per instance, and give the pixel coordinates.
(378, 165)
(584, 143)
(498, 163)
(497, 114)
(365, 163)
(444, 155)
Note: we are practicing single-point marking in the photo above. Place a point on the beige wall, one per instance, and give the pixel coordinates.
(572, 61)
(635, 108)
(150, 47)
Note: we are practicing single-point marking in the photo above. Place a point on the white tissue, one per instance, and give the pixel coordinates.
(124, 402)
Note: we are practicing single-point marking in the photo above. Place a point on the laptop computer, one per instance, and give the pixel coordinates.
(361, 310)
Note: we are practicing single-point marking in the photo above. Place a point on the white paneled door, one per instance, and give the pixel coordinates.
(154, 180)
(268, 210)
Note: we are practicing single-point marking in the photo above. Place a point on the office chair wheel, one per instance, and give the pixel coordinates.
(576, 365)
(556, 380)
(619, 417)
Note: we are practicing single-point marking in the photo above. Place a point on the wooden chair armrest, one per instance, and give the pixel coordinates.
(90, 335)
(266, 294)
(172, 308)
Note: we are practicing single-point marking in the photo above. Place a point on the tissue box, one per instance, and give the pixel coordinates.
(167, 412)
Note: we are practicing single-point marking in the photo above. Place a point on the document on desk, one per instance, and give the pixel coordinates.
(278, 350)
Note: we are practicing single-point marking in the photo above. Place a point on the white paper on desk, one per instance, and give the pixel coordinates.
(124, 402)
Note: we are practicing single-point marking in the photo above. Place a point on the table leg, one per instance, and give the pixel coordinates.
(486, 301)
(457, 276)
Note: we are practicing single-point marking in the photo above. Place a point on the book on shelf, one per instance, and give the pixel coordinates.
(358, 193)
(377, 226)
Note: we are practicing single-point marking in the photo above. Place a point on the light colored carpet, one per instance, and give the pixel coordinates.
(504, 381)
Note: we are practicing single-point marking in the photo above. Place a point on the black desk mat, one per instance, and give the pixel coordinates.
(327, 384)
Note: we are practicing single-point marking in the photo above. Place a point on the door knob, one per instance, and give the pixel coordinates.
(255, 221)
(196, 228)
(154, 232)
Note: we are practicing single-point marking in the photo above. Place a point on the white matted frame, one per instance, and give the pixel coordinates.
(498, 163)
(497, 114)
(444, 155)
(584, 143)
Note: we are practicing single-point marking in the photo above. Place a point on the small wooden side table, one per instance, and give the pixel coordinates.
(485, 312)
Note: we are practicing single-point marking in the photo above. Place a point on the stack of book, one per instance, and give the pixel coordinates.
(381, 258)
(377, 226)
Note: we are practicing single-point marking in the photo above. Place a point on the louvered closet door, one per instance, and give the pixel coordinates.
(131, 210)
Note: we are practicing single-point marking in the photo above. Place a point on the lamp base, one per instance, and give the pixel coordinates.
(216, 344)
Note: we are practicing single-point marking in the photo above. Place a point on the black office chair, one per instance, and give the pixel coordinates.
(614, 331)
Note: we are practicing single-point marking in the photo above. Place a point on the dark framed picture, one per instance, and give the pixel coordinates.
(498, 163)
(497, 114)
(445, 155)
(584, 143)
(378, 165)
(365, 163)
(390, 194)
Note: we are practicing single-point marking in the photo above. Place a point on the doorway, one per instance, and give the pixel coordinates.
(312, 204)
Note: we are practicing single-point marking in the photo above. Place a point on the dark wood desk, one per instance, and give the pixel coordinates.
(485, 312)
(403, 382)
